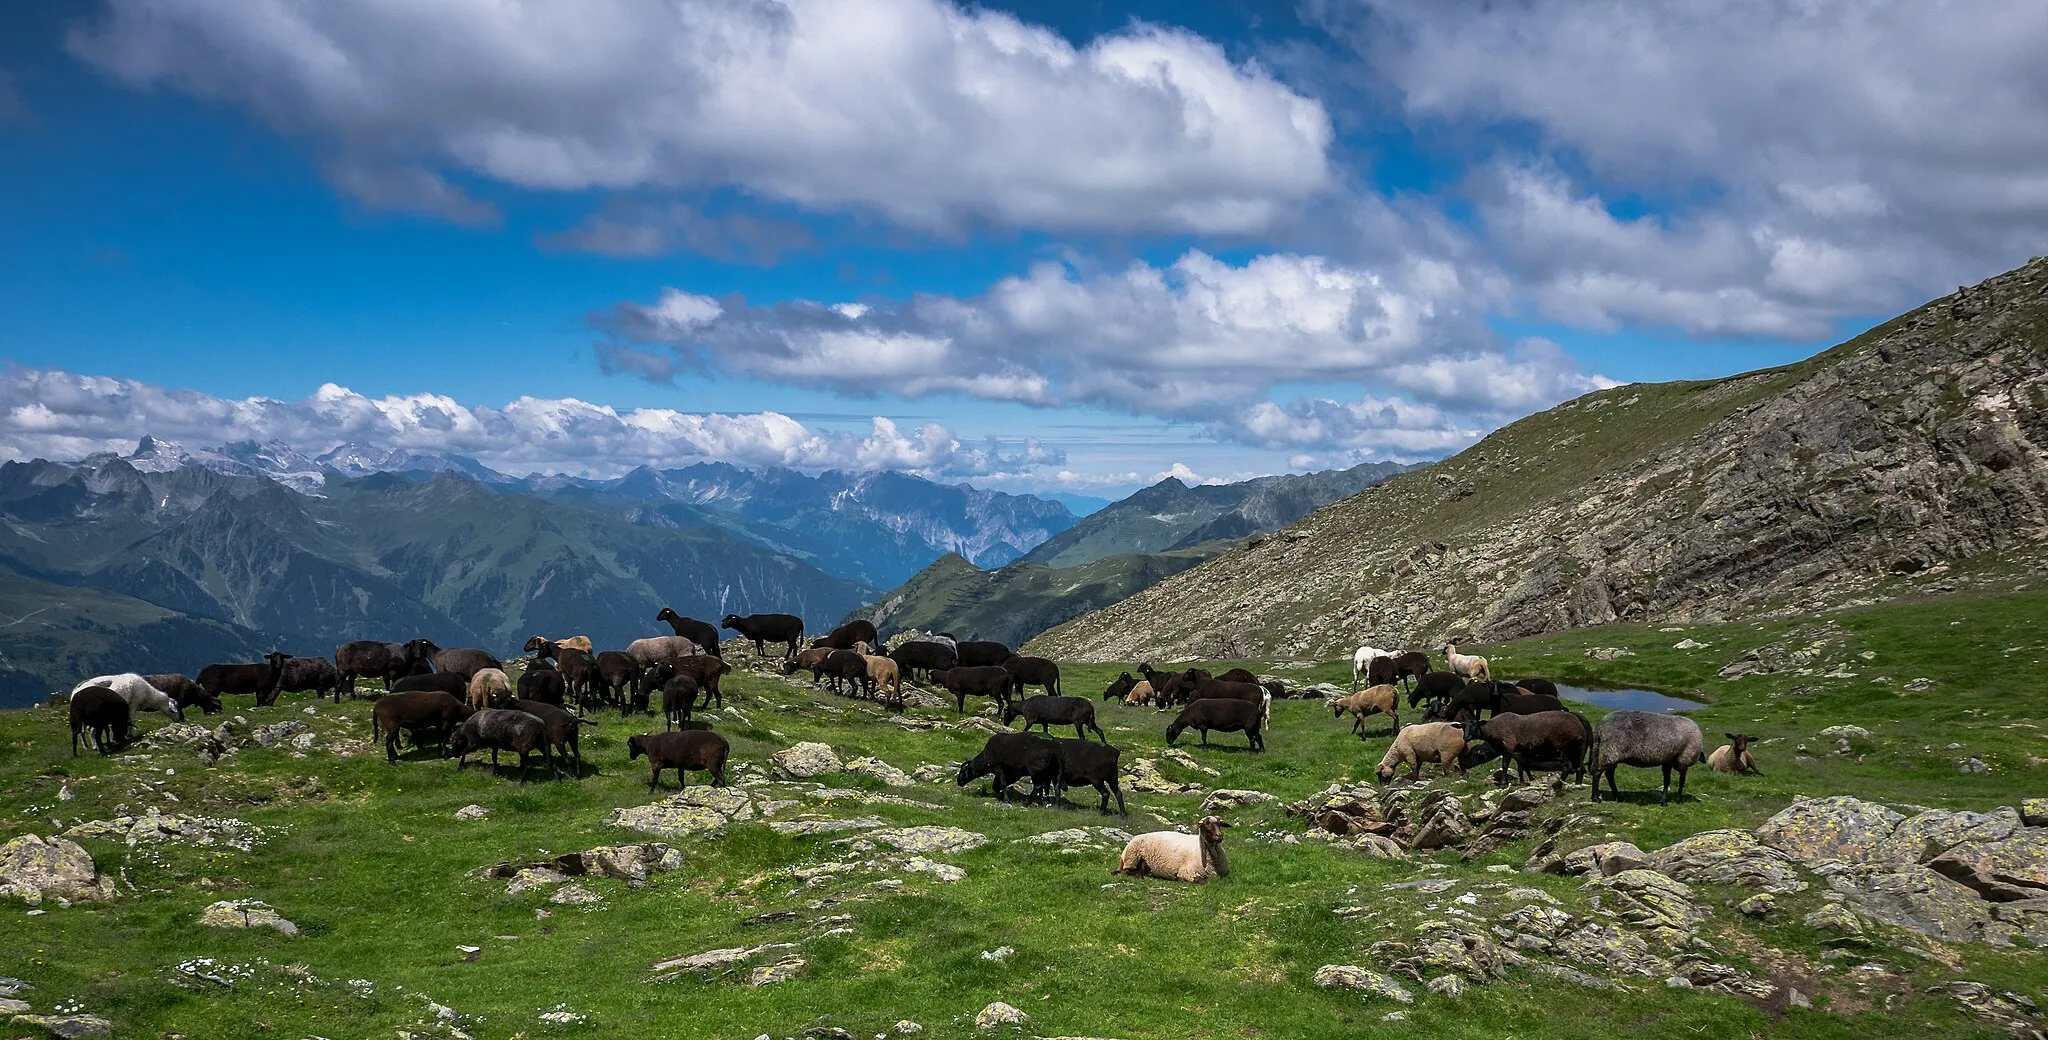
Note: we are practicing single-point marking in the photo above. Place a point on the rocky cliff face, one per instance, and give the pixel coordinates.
(1914, 448)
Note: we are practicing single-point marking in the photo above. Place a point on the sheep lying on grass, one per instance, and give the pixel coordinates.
(1734, 757)
(1439, 742)
(1193, 858)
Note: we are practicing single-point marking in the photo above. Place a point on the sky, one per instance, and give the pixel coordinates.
(1032, 246)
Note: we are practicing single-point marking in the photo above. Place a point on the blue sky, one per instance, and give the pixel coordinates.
(1118, 239)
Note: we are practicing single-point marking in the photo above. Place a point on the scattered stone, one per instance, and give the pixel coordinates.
(1221, 799)
(1920, 685)
(1000, 953)
(943, 871)
(67, 1027)
(1370, 983)
(1690, 644)
(1187, 761)
(805, 760)
(1836, 918)
(574, 895)
(780, 971)
(2034, 812)
(1608, 653)
(563, 1018)
(1451, 986)
(154, 826)
(905, 1027)
(33, 869)
(279, 732)
(1144, 776)
(1759, 905)
(2015, 1013)
(934, 774)
(1973, 765)
(1076, 839)
(472, 812)
(715, 962)
(246, 913)
(880, 770)
(999, 1014)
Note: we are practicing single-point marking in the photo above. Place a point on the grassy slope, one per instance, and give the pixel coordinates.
(1014, 603)
(378, 873)
(48, 632)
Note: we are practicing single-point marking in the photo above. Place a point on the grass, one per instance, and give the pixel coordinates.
(368, 860)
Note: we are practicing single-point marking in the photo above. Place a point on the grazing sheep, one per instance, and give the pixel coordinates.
(787, 629)
(259, 679)
(416, 712)
(986, 681)
(1382, 671)
(977, 653)
(859, 630)
(1140, 694)
(1078, 712)
(1434, 686)
(1194, 858)
(564, 737)
(1413, 664)
(445, 682)
(544, 685)
(1373, 700)
(186, 691)
(646, 652)
(884, 675)
(1222, 714)
(1033, 671)
(702, 633)
(681, 751)
(1010, 757)
(368, 658)
(139, 694)
(1084, 762)
(1439, 742)
(1556, 737)
(1217, 689)
(487, 687)
(102, 715)
(707, 670)
(501, 729)
(467, 661)
(845, 666)
(1120, 688)
(1642, 738)
(1244, 675)
(678, 697)
(302, 674)
(1734, 757)
(1362, 659)
(1496, 697)
(925, 655)
(1465, 666)
(1172, 688)
(620, 679)
(810, 659)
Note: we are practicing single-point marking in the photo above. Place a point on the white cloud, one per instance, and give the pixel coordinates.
(59, 415)
(931, 114)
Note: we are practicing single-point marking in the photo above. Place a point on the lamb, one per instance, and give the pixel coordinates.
(859, 630)
(702, 633)
(301, 674)
(884, 675)
(1220, 714)
(103, 715)
(1373, 700)
(706, 669)
(678, 696)
(1439, 742)
(767, 628)
(1010, 757)
(464, 661)
(1466, 666)
(416, 712)
(1734, 757)
(487, 687)
(1033, 671)
(564, 737)
(1078, 712)
(976, 653)
(1086, 762)
(986, 681)
(1519, 738)
(501, 729)
(259, 679)
(186, 691)
(542, 684)
(1642, 738)
(1194, 858)
(682, 751)
(139, 694)
(925, 655)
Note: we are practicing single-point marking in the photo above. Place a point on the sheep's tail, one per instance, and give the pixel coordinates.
(1266, 710)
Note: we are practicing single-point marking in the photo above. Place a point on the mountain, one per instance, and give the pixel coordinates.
(1172, 515)
(1014, 603)
(1902, 461)
(1079, 505)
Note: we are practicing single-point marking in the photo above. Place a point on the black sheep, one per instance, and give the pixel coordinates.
(102, 715)
(787, 629)
(1120, 687)
(1382, 671)
(1078, 712)
(445, 682)
(186, 691)
(1086, 762)
(302, 674)
(859, 630)
(1434, 686)
(1412, 665)
(564, 737)
(259, 679)
(924, 655)
(464, 661)
(707, 670)
(1238, 675)
(1034, 671)
(682, 751)
(847, 667)
(501, 729)
(1220, 714)
(1540, 686)
(542, 684)
(977, 653)
(418, 713)
(1010, 757)
(370, 659)
(702, 633)
(678, 695)
(986, 681)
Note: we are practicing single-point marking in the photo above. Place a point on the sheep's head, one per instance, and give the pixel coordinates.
(635, 747)
(1010, 712)
(1212, 828)
(1741, 742)
(461, 742)
(535, 643)
(729, 621)
(668, 614)
(420, 648)
(971, 770)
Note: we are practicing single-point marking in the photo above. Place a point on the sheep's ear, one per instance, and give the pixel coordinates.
(1731, 736)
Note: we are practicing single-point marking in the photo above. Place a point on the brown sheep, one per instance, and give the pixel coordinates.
(1734, 757)
(487, 687)
(1439, 742)
(883, 675)
(1373, 700)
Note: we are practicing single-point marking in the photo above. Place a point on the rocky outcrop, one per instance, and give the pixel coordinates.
(247, 913)
(34, 869)
(806, 760)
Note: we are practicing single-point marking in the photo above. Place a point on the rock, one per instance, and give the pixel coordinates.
(246, 913)
(1453, 944)
(1379, 846)
(1221, 799)
(67, 1027)
(2014, 1013)
(880, 770)
(1845, 733)
(1523, 799)
(1439, 821)
(2034, 812)
(1838, 828)
(534, 877)
(1447, 986)
(671, 818)
(1605, 859)
(33, 869)
(1608, 653)
(1612, 950)
(1000, 953)
(1187, 761)
(472, 812)
(1836, 918)
(1972, 765)
(803, 828)
(563, 1018)
(1931, 832)
(279, 732)
(1653, 902)
(780, 971)
(10, 1006)
(1370, 983)
(715, 962)
(805, 760)
(943, 871)
(1144, 776)
(2003, 869)
(1920, 900)
(574, 895)
(13, 987)
(934, 774)
(905, 1027)
(625, 862)
(999, 1014)
(929, 839)
(1759, 905)
(1729, 857)
(1690, 644)
(1920, 685)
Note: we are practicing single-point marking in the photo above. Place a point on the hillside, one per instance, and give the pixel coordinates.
(1011, 604)
(1869, 470)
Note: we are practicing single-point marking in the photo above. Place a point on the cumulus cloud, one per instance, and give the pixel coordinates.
(1740, 167)
(59, 415)
(926, 112)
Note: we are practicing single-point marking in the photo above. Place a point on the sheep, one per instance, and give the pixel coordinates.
(859, 630)
(301, 674)
(1095, 765)
(1373, 700)
(549, 646)
(645, 652)
(706, 669)
(1382, 671)
(1010, 757)
(502, 729)
(1642, 738)
(767, 628)
(1171, 687)
(1238, 675)
(1518, 738)
(1434, 686)
(678, 696)
(186, 691)
(139, 694)
(1412, 664)
(1078, 712)
(682, 751)
(702, 633)
(564, 735)
(259, 679)
(1465, 666)
(1734, 757)
(810, 659)
(1217, 689)
(1033, 671)
(1194, 858)
(976, 653)
(102, 715)
(445, 682)
(487, 687)
(1120, 687)
(1495, 697)
(1439, 742)
(987, 681)
(542, 684)
(467, 661)
(1362, 659)
(368, 658)
(416, 712)
(1140, 694)
(619, 677)
(884, 675)
(925, 655)
(845, 666)
(1220, 714)
(1543, 687)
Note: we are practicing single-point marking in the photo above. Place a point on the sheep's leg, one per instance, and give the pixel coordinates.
(1681, 782)
(1665, 797)
(652, 780)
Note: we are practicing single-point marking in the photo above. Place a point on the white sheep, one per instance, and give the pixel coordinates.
(1466, 666)
(1439, 742)
(1362, 659)
(1193, 858)
(139, 694)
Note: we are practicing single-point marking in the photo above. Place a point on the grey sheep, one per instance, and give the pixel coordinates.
(1641, 738)
(502, 729)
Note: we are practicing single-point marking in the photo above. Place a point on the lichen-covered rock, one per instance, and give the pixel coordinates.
(930, 773)
(667, 819)
(927, 840)
(2034, 812)
(1366, 981)
(1839, 828)
(806, 828)
(1221, 799)
(1920, 900)
(720, 961)
(534, 877)
(780, 971)
(67, 1027)
(472, 812)
(999, 1014)
(1729, 857)
(573, 894)
(806, 760)
(1836, 918)
(1610, 949)
(943, 871)
(2004, 869)
(279, 732)
(1144, 776)
(1439, 821)
(246, 913)
(33, 869)
(1604, 860)
(1928, 834)
(1651, 901)
(2017, 1014)
(880, 770)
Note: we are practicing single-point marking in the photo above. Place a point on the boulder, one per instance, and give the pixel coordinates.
(880, 770)
(1920, 900)
(717, 962)
(33, 869)
(2015, 1013)
(1652, 902)
(1729, 857)
(2003, 869)
(67, 1027)
(1370, 983)
(999, 1014)
(806, 760)
(1144, 776)
(1932, 832)
(1224, 798)
(2034, 812)
(780, 971)
(1604, 860)
(472, 812)
(246, 913)
(1440, 821)
(1838, 828)
(279, 732)
(1836, 918)
(667, 819)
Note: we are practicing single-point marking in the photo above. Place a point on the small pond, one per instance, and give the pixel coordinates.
(1629, 700)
